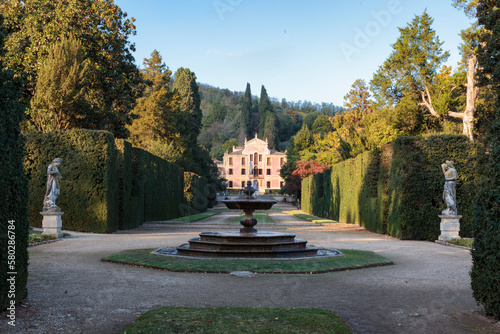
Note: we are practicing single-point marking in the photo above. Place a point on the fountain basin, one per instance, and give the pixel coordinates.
(249, 204)
(247, 245)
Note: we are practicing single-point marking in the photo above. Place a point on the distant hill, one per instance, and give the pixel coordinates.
(222, 123)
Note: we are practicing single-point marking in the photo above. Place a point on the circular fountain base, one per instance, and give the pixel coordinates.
(247, 245)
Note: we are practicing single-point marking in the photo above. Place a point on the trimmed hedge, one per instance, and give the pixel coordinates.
(485, 272)
(348, 192)
(196, 193)
(416, 185)
(150, 188)
(14, 193)
(163, 188)
(397, 190)
(107, 184)
(89, 184)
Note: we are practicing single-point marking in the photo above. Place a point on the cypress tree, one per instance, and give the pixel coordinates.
(60, 96)
(265, 109)
(246, 113)
(186, 88)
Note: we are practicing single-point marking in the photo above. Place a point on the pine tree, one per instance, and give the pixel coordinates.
(60, 101)
(246, 113)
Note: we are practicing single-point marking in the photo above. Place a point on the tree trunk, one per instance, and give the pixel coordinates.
(472, 92)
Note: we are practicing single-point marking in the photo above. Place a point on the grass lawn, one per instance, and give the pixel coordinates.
(310, 218)
(354, 259)
(237, 320)
(37, 236)
(466, 242)
(198, 216)
(261, 217)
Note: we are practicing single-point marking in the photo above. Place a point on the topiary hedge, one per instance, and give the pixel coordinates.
(89, 185)
(485, 272)
(14, 194)
(416, 185)
(163, 188)
(348, 192)
(397, 190)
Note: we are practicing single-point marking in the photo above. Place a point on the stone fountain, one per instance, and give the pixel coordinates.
(248, 242)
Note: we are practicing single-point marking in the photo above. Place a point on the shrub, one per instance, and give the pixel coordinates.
(89, 184)
(485, 272)
(14, 193)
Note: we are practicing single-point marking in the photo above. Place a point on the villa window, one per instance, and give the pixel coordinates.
(230, 171)
(268, 184)
(282, 161)
(230, 184)
(251, 157)
(268, 171)
(243, 171)
(260, 157)
(230, 161)
(269, 161)
(260, 171)
(243, 160)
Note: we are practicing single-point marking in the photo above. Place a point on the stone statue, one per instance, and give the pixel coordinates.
(53, 191)
(449, 192)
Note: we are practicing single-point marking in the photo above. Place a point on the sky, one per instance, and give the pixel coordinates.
(299, 50)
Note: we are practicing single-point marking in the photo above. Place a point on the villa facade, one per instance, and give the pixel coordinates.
(254, 162)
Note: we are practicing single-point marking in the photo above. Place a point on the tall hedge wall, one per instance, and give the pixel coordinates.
(14, 191)
(485, 272)
(150, 188)
(416, 185)
(89, 185)
(397, 190)
(195, 194)
(107, 184)
(348, 192)
(163, 188)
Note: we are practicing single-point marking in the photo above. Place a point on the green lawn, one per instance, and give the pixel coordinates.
(314, 219)
(466, 242)
(37, 236)
(354, 259)
(237, 320)
(198, 216)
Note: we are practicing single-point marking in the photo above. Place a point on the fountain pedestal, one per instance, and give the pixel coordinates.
(248, 222)
(248, 243)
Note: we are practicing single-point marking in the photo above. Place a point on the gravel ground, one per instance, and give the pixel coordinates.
(427, 290)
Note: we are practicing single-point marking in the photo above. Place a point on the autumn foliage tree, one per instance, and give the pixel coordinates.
(60, 100)
(304, 169)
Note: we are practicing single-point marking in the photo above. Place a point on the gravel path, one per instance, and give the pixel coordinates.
(426, 291)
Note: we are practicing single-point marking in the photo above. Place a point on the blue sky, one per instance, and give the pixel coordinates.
(299, 50)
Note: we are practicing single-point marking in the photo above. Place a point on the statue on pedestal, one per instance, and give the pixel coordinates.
(449, 192)
(53, 190)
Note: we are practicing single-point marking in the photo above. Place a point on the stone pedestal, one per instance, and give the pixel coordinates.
(450, 226)
(52, 223)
